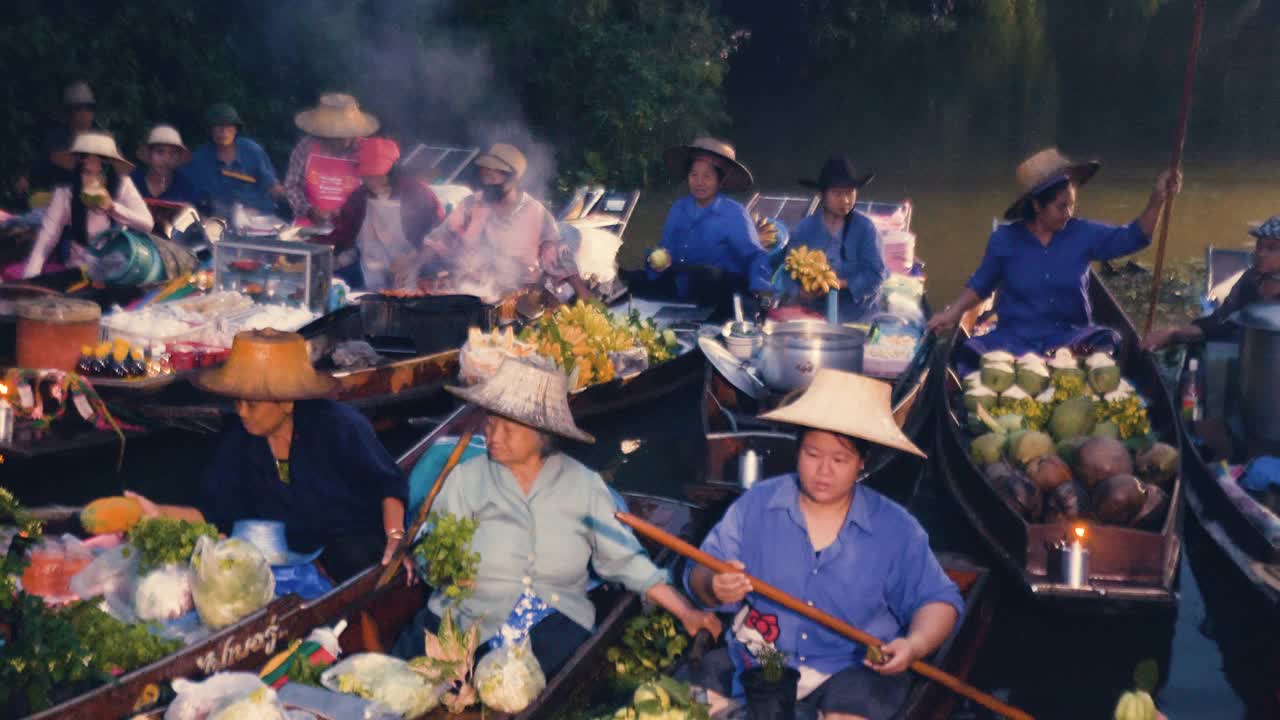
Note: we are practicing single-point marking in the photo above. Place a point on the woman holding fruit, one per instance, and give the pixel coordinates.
(709, 247)
(847, 238)
(100, 197)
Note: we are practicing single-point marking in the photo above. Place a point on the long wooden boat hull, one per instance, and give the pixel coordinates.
(1130, 569)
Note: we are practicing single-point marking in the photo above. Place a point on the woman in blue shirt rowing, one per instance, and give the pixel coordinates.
(821, 537)
(545, 521)
(709, 247)
(1039, 261)
(847, 237)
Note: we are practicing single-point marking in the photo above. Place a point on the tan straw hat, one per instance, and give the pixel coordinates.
(504, 158)
(1043, 169)
(268, 365)
(736, 175)
(163, 135)
(337, 116)
(92, 142)
(848, 404)
(529, 395)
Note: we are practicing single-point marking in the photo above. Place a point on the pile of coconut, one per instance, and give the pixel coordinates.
(1067, 437)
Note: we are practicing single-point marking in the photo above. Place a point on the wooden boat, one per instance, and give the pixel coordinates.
(377, 614)
(957, 655)
(1130, 569)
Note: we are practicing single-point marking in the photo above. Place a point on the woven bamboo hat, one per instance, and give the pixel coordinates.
(736, 175)
(529, 395)
(848, 404)
(337, 116)
(1045, 168)
(92, 142)
(268, 365)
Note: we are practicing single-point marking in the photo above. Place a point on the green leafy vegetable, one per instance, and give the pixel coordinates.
(161, 541)
(114, 644)
(446, 552)
(651, 644)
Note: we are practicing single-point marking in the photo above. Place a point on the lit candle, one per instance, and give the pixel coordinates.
(1077, 560)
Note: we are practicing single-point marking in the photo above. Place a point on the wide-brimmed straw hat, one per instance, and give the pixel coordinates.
(1269, 230)
(337, 116)
(838, 171)
(846, 404)
(268, 537)
(92, 142)
(268, 365)
(1046, 168)
(77, 94)
(503, 158)
(528, 394)
(163, 135)
(736, 175)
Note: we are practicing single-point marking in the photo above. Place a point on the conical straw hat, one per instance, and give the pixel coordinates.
(847, 404)
(1044, 169)
(164, 135)
(528, 394)
(337, 116)
(268, 365)
(92, 142)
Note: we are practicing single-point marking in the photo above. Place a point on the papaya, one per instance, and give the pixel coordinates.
(110, 515)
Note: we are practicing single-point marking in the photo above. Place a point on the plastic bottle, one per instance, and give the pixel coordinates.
(1191, 393)
(84, 365)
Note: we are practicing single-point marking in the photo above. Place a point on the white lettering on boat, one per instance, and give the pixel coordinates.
(235, 649)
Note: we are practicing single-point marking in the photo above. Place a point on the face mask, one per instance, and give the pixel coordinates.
(493, 193)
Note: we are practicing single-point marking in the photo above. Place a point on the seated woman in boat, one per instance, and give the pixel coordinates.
(163, 178)
(382, 221)
(545, 520)
(100, 196)
(312, 463)
(847, 237)
(1260, 283)
(711, 246)
(819, 536)
(499, 237)
(1039, 261)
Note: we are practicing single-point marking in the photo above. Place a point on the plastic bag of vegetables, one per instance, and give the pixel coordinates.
(229, 579)
(509, 678)
(384, 679)
(224, 696)
(164, 593)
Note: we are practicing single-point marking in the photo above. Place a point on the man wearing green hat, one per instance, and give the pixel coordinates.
(232, 169)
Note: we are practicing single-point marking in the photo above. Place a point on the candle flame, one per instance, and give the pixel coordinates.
(4, 389)
(1079, 531)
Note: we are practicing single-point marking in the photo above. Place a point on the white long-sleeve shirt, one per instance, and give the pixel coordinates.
(127, 208)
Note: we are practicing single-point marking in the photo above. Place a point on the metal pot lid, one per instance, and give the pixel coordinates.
(59, 310)
(733, 369)
(1260, 316)
(806, 333)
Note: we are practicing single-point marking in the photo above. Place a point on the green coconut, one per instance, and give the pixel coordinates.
(1068, 448)
(1030, 445)
(981, 395)
(973, 380)
(1011, 423)
(1072, 418)
(1011, 396)
(1032, 378)
(1158, 464)
(996, 357)
(1106, 429)
(1104, 374)
(997, 376)
(1063, 363)
(1029, 358)
(988, 449)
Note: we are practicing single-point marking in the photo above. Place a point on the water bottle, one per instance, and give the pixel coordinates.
(1191, 393)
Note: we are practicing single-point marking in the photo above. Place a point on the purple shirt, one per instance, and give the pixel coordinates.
(1044, 290)
(875, 576)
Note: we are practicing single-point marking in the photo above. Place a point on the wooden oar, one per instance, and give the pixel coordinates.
(1175, 163)
(760, 587)
(411, 532)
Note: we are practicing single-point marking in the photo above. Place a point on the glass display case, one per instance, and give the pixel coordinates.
(275, 272)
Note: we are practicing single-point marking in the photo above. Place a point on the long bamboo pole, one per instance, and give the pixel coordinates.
(1175, 162)
(760, 587)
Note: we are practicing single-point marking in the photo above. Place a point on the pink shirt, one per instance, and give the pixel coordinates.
(127, 208)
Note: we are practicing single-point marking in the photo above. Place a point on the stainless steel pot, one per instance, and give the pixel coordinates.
(794, 351)
(1260, 376)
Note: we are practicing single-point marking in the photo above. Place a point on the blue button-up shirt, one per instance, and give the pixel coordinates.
(544, 542)
(339, 472)
(1044, 289)
(216, 190)
(179, 190)
(855, 256)
(721, 235)
(875, 576)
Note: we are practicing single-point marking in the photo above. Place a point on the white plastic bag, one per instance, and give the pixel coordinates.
(229, 579)
(164, 593)
(223, 696)
(385, 679)
(509, 678)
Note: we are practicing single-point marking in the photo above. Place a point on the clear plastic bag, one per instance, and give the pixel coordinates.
(384, 679)
(164, 593)
(224, 696)
(509, 678)
(229, 579)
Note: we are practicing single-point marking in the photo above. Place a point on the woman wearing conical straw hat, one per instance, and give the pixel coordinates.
(1039, 261)
(820, 536)
(322, 167)
(299, 458)
(545, 520)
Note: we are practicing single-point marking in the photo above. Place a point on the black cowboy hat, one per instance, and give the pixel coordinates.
(838, 171)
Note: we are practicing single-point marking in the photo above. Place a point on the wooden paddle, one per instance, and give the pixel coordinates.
(762, 588)
(1175, 163)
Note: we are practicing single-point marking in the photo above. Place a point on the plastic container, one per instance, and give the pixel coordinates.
(51, 331)
(898, 249)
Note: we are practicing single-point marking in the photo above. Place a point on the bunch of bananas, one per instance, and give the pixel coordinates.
(767, 229)
(809, 267)
(581, 336)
